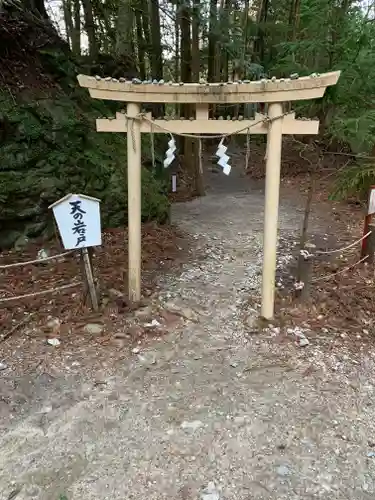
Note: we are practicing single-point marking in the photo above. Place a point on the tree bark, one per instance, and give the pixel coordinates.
(185, 43)
(294, 15)
(125, 30)
(225, 26)
(198, 175)
(68, 20)
(177, 58)
(259, 46)
(145, 10)
(76, 29)
(90, 28)
(195, 41)
(156, 49)
(37, 7)
(140, 43)
(212, 38)
(186, 74)
(218, 44)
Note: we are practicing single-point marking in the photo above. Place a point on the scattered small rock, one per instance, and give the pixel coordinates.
(252, 319)
(303, 342)
(54, 324)
(147, 359)
(53, 342)
(170, 318)
(136, 350)
(115, 293)
(144, 311)
(42, 254)
(93, 328)
(211, 492)
(154, 324)
(283, 470)
(194, 425)
(240, 420)
(3, 366)
(185, 312)
(32, 491)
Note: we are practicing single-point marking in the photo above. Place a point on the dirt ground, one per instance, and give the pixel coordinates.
(208, 406)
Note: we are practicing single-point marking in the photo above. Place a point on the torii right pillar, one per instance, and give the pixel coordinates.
(271, 207)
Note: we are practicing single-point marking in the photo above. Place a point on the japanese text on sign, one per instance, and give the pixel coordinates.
(79, 226)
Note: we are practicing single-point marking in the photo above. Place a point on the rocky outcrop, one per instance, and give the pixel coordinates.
(48, 144)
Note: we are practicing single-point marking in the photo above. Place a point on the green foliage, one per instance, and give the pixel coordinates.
(332, 36)
(355, 181)
(49, 147)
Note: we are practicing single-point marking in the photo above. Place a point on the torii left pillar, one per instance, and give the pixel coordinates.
(134, 201)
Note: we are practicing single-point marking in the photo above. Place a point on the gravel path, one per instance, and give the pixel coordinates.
(209, 412)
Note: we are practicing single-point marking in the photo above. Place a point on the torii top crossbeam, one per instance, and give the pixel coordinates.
(275, 90)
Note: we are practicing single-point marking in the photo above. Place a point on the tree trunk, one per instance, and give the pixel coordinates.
(185, 43)
(90, 28)
(177, 54)
(259, 46)
(195, 41)
(245, 24)
(37, 7)
(218, 45)
(186, 74)
(198, 174)
(68, 20)
(145, 10)
(225, 27)
(294, 15)
(76, 28)
(140, 44)
(125, 30)
(156, 50)
(212, 38)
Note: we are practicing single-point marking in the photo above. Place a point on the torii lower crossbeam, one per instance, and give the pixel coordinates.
(258, 125)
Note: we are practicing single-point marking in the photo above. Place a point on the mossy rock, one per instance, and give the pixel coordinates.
(50, 148)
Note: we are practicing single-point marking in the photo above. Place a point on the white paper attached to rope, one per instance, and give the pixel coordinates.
(223, 158)
(170, 154)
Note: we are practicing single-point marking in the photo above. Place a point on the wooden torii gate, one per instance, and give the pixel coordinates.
(276, 123)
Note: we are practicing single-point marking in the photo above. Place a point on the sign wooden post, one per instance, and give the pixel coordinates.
(271, 92)
(90, 279)
(134, 201)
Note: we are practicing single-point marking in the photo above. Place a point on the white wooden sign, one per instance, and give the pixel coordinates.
(78, 219)
(371, 202)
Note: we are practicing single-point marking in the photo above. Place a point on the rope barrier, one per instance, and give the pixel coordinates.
(305, 253)
(345, 248)
(143, 116)
(36, 261)
(329, 276)
(43, 292)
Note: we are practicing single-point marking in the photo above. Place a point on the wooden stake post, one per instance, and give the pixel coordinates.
(89, 279)
(275, 124)
(368, 243)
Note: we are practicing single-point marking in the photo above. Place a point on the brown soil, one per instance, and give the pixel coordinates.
(163, 247)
